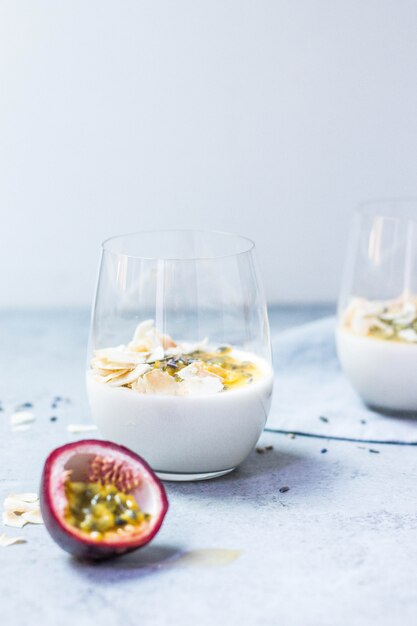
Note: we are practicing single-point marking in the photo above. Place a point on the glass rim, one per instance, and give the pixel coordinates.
(389, 207)
(106, 244)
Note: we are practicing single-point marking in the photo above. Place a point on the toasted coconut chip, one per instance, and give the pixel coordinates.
(108, 377)
(130, 377)
(146, 337)
(22, 417)
(187, 348)
(360, 325)
(6, 541)
(198, 381)
(81, 428)
(117, 356)
(142, 331)
(160, 383)
(16, 521)
(106, 367)
(100, 374)
(188, 372)
(408, 334)
(139, 386)
(167, 342)
(198, 369)
(385, 328)
(33, 517)
(156, 355)
(202, 386)
(25, 497)
(15, 505)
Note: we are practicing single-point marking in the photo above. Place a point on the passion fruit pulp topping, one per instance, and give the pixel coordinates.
(99, 509)
(233, 372)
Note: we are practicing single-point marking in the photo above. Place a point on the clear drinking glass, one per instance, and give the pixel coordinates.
(377, 329)
(196, 286)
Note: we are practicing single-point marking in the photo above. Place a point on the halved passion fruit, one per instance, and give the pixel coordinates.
(99, 499)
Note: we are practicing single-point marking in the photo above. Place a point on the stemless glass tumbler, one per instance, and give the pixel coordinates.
(377, 330)
(194, 300)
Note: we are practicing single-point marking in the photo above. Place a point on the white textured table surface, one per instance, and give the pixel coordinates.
(340, 547)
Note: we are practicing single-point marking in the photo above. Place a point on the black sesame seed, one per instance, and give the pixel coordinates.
(323, 419)
(323, 450)
(373, 451)
(284, 489)
(53, 418)
(363, 421)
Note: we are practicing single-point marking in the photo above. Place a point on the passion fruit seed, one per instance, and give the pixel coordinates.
(97, 508)
(234, 373)
(106, 470)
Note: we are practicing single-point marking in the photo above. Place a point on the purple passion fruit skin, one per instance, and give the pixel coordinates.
(89, 499)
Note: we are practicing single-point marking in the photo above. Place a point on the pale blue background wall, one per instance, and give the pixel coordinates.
(269, 118)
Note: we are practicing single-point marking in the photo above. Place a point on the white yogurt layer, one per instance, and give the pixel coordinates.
(383, 372)
(190, 434)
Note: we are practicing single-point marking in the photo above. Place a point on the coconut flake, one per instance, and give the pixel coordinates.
(188, 348)
(197, 381)
(142, 331)
(25, 497)
(6, 541)
(156, 355)
(109, 377)
(157, 382)
(146, 337)
(33, 517)
(408, 334)
(16, 521)
(202, 386)
(117, 359)
(129, 377)
(167, 342)
(22, 417)
(385, 328)
(408, 315)
(16, 505)
(81, 428)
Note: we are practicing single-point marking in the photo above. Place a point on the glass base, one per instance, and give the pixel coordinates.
(185, 477)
